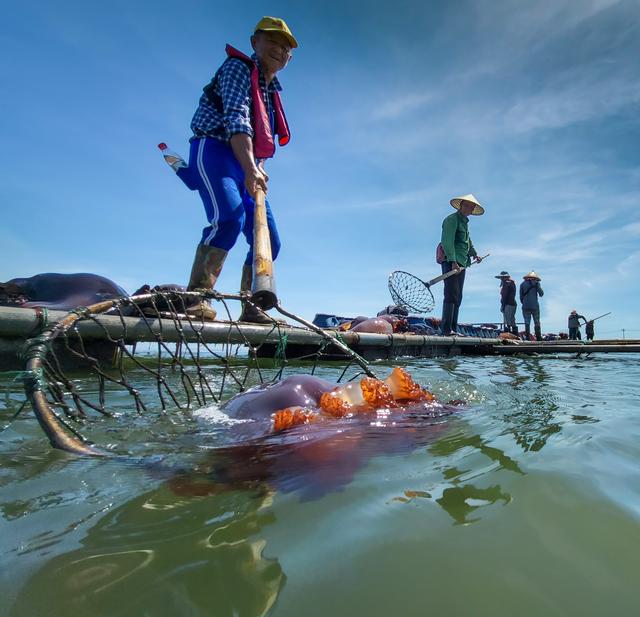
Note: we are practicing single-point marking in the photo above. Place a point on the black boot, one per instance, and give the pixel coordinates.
(538, 333)
(447, 318)
(527, 333)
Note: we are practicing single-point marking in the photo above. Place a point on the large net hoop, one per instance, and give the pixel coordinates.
(411, 292)
(191, 363)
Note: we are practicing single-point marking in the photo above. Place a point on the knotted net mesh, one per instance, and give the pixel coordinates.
(411, 292)
(98, 376)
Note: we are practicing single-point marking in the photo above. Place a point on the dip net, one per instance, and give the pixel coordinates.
(95, 377)
(411, 292)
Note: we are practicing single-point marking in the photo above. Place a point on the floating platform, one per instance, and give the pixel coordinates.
(19, 324)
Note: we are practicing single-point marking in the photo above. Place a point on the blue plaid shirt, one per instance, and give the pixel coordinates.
(225, 108)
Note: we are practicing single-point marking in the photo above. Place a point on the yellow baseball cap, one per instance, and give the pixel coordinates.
(275, 24)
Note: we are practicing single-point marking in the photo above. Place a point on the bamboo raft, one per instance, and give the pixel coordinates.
(19, 324)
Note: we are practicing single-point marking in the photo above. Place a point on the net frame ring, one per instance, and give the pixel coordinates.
(399, 280)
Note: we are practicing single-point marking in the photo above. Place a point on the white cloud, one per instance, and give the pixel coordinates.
(397, 201)
(401, 105)
(573, 96)
(629, 266)
(632, 228)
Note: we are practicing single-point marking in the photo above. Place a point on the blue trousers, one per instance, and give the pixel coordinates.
(216, 174)
(528, 313)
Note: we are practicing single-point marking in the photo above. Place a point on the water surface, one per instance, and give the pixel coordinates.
(526, 501)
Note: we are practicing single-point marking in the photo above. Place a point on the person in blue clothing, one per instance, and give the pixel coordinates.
(530, 289)
(234, 128)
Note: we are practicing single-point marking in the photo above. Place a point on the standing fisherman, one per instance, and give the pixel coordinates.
(573, 323)
(234, 130)
(589, 330)
(508, 301)
(530, 289)
(458, 251)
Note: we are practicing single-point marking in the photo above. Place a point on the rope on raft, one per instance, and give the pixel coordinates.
(63, 404)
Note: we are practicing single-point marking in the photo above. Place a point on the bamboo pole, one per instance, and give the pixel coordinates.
(263, 285)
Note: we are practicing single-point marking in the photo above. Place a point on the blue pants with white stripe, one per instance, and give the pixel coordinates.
(216, 174)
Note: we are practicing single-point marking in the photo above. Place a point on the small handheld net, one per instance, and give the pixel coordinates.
(410, 291)
(108, 368)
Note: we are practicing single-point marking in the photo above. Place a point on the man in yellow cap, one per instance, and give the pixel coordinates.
(234, 132)
(457, 251)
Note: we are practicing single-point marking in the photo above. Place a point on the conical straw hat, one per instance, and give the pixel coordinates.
(531, 275)
(477, 210)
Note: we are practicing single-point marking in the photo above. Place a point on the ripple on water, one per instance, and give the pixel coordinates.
(529, 491)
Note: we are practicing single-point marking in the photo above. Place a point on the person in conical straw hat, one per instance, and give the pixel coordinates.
(508, 301)
(236, 126)
(458, 252)
(530, 289)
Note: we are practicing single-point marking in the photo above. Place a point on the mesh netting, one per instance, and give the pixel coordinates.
(409, 291)
(145, 354)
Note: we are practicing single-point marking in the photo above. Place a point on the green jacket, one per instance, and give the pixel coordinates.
(455, 240)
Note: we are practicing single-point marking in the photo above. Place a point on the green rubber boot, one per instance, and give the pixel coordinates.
(207, 265)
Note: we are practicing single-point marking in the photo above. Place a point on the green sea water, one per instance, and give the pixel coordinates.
(526, 501)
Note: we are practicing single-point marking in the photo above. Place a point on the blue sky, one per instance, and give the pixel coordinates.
(531, 106)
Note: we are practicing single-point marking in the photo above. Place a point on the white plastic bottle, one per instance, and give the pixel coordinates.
(173, 159)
